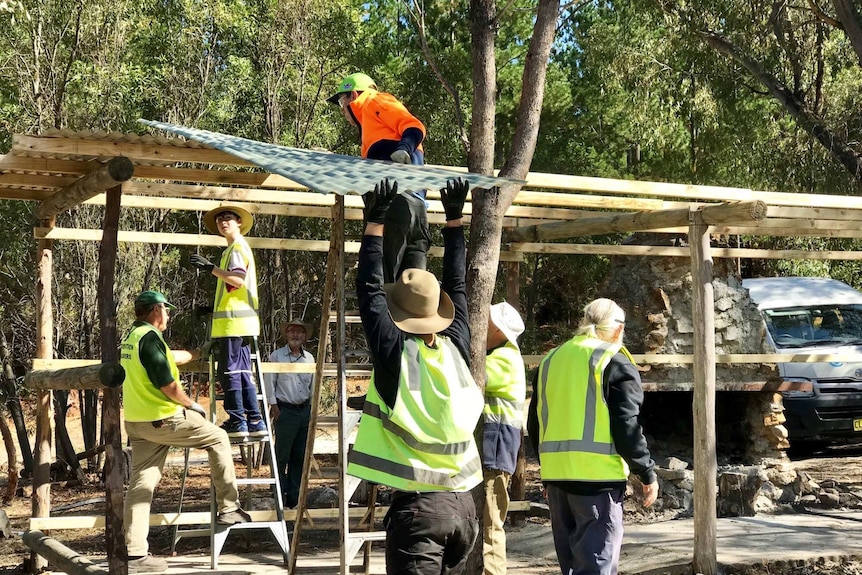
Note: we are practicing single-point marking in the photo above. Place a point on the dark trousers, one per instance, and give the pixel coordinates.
(430, 533)
(291, 432)
(234, 374)
(588, 531)
(406, 238)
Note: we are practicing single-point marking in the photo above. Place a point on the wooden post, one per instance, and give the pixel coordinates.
(41, 498)
(61, 556)
(334, 274)
(705, 467)
(518, 488)
(114, 541)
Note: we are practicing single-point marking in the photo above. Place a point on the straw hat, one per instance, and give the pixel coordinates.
(244, 215)
(309, 328)
(417, 304)
(508, 320)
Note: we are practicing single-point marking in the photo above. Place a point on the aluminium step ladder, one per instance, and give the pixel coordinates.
(251, 449)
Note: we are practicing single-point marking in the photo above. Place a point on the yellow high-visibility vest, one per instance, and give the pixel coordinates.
(575, 442)
(425, 442)
(235, 311)
(143, 401)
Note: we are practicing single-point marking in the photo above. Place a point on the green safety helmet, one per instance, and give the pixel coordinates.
(355, 82)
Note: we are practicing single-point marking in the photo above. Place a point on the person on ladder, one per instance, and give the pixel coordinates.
(289, 395)
(235, 319)
(159, 415)
(416, 432)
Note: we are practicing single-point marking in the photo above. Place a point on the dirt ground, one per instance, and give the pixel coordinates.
(842, 465)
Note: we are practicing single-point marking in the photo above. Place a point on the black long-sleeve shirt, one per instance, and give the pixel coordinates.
(621, 385)
(385, 340)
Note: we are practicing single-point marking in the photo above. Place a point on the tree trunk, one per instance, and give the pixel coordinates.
(480, 155)
(12, 458)
(114, 462)
(486, 228)
(13, 403)
(849, 18)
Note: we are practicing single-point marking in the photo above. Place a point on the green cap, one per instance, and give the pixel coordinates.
(152, 297)
(357, 81)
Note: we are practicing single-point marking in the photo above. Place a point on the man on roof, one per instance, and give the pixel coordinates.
(389, 132)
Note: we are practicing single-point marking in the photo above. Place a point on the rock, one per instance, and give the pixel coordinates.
(670, 474)
(322, 498)
(779, 476)
(829, 500)
(675, 463)
(737, 493)
(828, 484)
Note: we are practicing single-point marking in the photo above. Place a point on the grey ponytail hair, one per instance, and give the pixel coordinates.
(601, 318)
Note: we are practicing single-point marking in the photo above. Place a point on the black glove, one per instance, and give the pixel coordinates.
(200, 262)
(377, 202)
(453, 197)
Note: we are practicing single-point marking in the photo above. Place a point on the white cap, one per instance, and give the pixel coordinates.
(508, 320)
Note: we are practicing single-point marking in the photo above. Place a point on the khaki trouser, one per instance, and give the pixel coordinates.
(150, 449)
(496, 508)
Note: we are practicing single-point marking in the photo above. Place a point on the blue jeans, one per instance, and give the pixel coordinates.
(588, 531)
(234, 374)
(430, 533)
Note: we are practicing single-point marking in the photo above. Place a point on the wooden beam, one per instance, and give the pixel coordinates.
(35, 181)
(770, 385)
(110, 175)
(204, 517)
(59, 555)
(670, 251)
(137, 151)
(705, 466)
(211, 240)
(639, 221)
(102, 375)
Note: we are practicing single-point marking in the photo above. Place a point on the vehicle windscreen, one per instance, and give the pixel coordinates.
(815, 326)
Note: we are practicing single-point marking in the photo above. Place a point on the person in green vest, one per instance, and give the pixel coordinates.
(583, 423)
(235, 318)
(416, 432)
(159, 415)
(505, 392)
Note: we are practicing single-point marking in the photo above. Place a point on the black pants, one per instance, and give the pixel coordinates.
(406, 238)
(430, 533)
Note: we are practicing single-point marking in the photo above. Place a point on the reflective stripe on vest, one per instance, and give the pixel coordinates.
(570, 391)
(143, 401)
(425, 442)
(235, 311)
(505, 387)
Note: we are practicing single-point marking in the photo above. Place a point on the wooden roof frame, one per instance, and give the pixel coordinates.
(61, 169)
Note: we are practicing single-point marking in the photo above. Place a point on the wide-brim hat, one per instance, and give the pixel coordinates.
(508, 320)
(417, 304)
(244, 214)
(309, 328)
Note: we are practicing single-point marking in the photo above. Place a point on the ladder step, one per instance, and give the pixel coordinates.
(349, 317)
(256, 480)
(356, 540)
(246, 440)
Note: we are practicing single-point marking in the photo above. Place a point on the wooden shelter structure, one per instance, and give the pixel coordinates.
(60, 170)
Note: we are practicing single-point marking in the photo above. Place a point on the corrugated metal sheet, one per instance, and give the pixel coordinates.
(324, 172)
